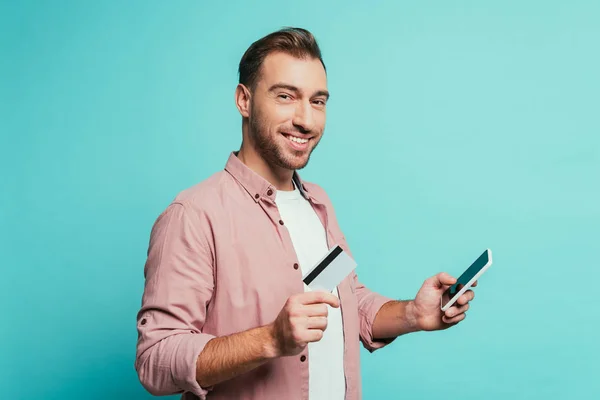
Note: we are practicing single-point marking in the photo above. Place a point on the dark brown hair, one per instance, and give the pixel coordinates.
(296, 42)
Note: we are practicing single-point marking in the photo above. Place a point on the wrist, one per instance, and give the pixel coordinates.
(412, 316)
(271, 343)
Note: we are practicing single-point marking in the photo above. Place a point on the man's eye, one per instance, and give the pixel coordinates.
(319, 102)
(284, 96)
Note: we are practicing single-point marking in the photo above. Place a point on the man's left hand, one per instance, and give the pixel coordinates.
(426, 305)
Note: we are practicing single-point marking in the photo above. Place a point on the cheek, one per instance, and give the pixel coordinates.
(266, 121)
(280, 114)
(320, 121)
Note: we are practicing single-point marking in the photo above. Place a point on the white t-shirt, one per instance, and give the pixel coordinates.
(326, 357)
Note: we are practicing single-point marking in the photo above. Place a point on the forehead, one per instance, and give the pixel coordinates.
(304, 73)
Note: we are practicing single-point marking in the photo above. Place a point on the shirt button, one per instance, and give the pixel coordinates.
(296, 266)
(269, 192)
(280, 222)
(256, 196)
(303, 358)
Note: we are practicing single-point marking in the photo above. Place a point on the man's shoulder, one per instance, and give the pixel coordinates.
(206, 193)
(317, 191)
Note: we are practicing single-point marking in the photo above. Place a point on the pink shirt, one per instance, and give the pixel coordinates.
(221, 261)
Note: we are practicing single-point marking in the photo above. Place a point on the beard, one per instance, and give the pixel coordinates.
(273, 151)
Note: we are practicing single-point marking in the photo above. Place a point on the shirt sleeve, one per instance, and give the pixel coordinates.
(178, 287)
(369, 304)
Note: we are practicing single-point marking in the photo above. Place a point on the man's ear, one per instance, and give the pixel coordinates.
(242, 100)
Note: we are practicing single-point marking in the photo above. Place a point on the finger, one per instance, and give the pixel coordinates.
(443, 279)
(456, 310)
(317, 323)
(319, 297)
(314, 335)
(466, 297)
(454, 320)
(474, 284)
(316, 310)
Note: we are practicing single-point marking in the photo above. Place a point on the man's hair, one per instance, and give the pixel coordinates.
(296, 42)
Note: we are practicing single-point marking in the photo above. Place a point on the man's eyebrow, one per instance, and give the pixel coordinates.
(293, 88)
(284, 86)
(322, 93)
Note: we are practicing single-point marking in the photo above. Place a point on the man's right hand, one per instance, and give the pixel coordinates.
(302, 320)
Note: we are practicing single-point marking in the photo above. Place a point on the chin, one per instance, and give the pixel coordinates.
(294, 162)
(299, 162)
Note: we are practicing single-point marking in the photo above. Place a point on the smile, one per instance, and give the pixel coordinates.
(296, 139)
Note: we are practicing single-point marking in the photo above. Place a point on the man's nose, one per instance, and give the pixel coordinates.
(303, 118)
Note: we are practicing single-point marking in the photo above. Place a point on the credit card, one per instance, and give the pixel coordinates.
(330, 271)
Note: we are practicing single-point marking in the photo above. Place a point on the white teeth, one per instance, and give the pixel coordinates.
(297, 140)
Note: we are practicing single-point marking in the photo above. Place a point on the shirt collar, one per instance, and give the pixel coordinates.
(256, 185)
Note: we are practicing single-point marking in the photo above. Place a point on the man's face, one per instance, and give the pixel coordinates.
(287, 110)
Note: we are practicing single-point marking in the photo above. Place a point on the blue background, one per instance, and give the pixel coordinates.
(452, 127)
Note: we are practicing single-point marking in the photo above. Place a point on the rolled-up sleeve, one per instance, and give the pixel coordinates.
(178, 287)
(369, 304)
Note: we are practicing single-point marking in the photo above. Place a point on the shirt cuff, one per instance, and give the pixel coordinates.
(367, 320)
(184, 363)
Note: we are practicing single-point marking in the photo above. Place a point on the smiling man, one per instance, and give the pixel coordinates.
(225, 313)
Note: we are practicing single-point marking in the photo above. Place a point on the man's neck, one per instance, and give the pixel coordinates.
(279, 177)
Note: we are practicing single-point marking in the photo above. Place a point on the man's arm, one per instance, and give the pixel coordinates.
(226, 357)
(382, 319)
(178, 287)
(396, 318)
(174, 355)
(302, 320)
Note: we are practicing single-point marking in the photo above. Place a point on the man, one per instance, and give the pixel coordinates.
(225, 313)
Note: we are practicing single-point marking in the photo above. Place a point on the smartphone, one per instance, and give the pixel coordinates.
(464, 282)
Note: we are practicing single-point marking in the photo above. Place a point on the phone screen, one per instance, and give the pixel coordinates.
(466, 277)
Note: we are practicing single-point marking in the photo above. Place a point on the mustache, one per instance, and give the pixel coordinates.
(295, 131)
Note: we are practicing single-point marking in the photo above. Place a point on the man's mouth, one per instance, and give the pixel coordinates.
(296, 139)
(296, 143)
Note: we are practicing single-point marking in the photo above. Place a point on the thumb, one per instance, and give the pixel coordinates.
(442, 279)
